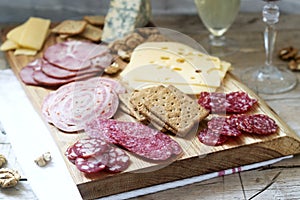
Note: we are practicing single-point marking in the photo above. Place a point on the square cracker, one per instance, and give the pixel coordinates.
(131, 109)
(137, 100)
(176, 109)
(70, 27)
(97, 20)
(92, 33)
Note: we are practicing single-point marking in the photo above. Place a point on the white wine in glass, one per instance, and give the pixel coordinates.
(217, 16)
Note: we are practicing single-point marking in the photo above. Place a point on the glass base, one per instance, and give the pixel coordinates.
(269, 81)
(220, 47)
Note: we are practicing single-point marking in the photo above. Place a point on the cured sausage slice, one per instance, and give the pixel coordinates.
(88, 147)
(259, 124)
(135, 137)
(92, 164)
(118, 160)
(233, 102)
(211, 138)
(74, 55)
(221, 126)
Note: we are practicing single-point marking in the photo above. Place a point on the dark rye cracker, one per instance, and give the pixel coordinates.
(178, 110)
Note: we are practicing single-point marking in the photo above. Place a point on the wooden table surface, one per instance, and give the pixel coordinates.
(277, 181)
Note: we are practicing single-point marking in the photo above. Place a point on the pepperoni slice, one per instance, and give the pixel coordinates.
(234, 102)
(118, 160)
(221, 126)
(211, 138)
(89, 147)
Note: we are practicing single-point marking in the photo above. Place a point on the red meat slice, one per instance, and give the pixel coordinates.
(74, 55)
(211, 138)
(27, 72)
(221, 126)
(118, 160)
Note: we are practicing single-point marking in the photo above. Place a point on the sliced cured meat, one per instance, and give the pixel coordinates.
(76, 103)
(100, 129)
(211, 138)
(233, 102)
(102, 61)
(118, 160)
(60, 73)
(91, 155)
(74, 55)
(89, 147)
(27, 72)
(114, 84)
(221, 126)
(259, 124)
(92, 164)
(138, 138)
(42, 79)
(239, 102)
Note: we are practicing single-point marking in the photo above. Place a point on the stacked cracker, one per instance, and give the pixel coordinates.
(88, 28)
(166, 108)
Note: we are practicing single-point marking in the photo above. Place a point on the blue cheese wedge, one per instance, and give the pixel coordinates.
(173, 63)
(124, 16)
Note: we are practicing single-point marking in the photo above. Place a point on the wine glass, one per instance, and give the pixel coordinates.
(217, 16)
(268, 78)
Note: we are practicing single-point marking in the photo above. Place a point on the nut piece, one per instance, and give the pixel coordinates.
(9, 178)
(112, 69)
(2, 160)
(294, 64)
(288, 53)
(43, 160)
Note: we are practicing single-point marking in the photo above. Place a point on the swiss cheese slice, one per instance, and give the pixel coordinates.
(173, 63)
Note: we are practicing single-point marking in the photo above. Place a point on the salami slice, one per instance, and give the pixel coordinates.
(211, 138)
(233, 102)
(89, 147)
(70, 154)
(138, 138)
(259, 124)
(221, 126)
(92, 164)
(118, 160)
(74, 55)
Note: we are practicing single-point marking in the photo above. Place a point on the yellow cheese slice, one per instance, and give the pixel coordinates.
(27, 52)
(15, 33)
(174, 63)
(34, 33)
(9, 45)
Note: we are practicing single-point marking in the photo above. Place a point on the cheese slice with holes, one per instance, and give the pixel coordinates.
(173, 63)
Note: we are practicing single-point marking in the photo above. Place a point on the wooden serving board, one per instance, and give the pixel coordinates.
(197, 159)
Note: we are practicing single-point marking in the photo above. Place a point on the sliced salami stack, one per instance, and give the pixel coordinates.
(143, 141)
(91, 155)
(219, 129)
(67, 62)
(74, 104)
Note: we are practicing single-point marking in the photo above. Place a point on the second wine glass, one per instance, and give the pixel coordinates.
(218, 16)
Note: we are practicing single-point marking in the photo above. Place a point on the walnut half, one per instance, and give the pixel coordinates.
(288, 53)
(9, 178)
(2, 160)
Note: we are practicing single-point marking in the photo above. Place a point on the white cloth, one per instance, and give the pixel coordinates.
(30, 138)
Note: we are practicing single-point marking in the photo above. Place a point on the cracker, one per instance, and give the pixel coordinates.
(92, 33)
(96, 20)
(70, 27)
(176, 109)
(124, 98)
(138, 98)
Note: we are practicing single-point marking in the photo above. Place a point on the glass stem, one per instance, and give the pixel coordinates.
(269, 40)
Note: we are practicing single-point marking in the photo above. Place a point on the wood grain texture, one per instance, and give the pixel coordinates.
(198, 158)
